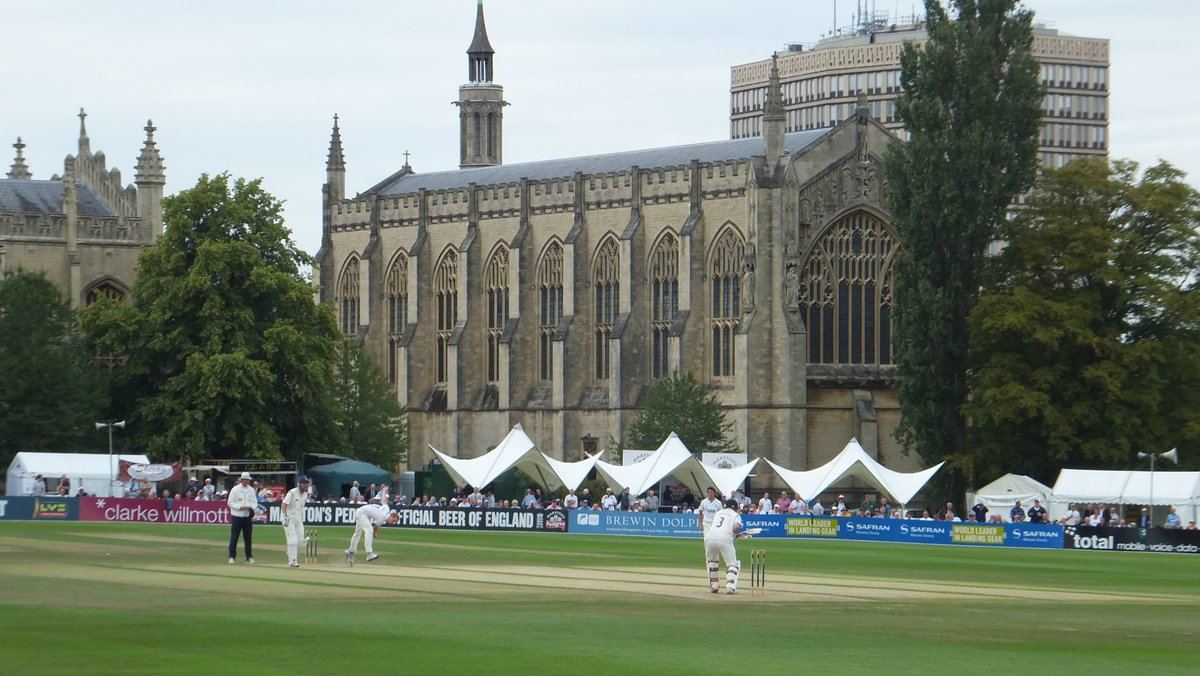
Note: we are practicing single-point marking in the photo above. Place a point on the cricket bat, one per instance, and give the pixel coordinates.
(749, 532)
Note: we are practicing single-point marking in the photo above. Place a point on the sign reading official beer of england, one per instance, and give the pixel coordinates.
(482, 519)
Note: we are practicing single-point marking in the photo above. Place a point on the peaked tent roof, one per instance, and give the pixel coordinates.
(727, 480)
(672, 458)
(1009, 488)
(854, 461)
(481, 471)
(572, 474)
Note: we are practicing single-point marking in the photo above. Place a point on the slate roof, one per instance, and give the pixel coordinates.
(22, 196)
(674, 156)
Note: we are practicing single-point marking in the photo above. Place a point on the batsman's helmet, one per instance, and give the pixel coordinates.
(731, 503)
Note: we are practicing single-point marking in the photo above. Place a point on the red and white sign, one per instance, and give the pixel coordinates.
(153, 511)
(156, 472)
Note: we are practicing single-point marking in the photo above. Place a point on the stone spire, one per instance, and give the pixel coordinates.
(19, 169)
(150, 167)
(480, 51)
(773, 116)
(150, 178)
(335, 165)
(85, 144)
(336, 160)
(480, 104)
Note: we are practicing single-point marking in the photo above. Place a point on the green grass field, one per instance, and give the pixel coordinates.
(119, 598)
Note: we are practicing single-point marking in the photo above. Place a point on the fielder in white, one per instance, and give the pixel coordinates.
(709, 507)
(293, 519)
(718, 542)
(367, 520)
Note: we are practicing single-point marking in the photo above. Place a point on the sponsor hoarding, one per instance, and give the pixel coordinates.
(662, 524)
(41, 508)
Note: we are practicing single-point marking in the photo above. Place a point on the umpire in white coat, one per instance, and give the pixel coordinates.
(242, 503)
(293, 519)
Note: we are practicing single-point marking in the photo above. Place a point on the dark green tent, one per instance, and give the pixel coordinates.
(335, 478)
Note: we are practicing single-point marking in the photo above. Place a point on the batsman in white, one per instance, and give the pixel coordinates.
(718, 542)
(293, 519)
(367, 520)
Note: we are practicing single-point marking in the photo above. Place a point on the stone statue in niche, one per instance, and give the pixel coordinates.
(791, 289)
(748, 285)
(790, 248)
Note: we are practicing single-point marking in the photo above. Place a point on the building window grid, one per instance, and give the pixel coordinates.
(446, 302)
(496, 279)
(664, 301)
(397, 311)
(550, 292)
(846, 293)
(102, 290)
(348, 298)
(606, 274)
(726, 277)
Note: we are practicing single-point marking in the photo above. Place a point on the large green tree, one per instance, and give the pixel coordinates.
(49, 397)
(228, 355)
(372, 425)
(971, 106)
(679, 404)
(1086, 349)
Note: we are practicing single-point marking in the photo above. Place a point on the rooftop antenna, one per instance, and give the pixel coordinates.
(835, 16)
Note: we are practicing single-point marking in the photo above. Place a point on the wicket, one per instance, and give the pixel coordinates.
(758, 569)
(310, 546)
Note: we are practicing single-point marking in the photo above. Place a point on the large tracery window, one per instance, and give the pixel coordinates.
(606, 276)
(397, 310)
(445, 285)
(550, 302)
(106, 289)
(726, 276)
(846, 292)
(348, 298)
(496, 280)
(664, 301)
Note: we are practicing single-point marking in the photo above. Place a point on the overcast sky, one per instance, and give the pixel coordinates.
(251, 87)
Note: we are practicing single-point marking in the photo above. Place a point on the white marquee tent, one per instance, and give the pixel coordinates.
(516, 450)
(1126, 487)
(854, 461)
(90, 471)
(671, 458)
(1002, 494)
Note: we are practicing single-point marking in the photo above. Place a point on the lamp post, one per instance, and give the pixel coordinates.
(120, 424)
(1173, 456)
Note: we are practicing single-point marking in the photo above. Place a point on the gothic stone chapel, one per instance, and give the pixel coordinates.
(555, 293)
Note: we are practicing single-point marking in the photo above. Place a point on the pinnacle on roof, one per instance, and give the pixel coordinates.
(150, 165)
(774, 104)
(336, 160)
(19, 170)
(85, 144)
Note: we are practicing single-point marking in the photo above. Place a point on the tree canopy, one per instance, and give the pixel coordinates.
(49, 397)
(1086, 349)
(971, 103)
(679, 404)
(228, 355)
(372, 424)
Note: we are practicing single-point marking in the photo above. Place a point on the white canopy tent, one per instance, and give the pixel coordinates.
(517, 450)
(1125, 487)
(728, 479)
(92, 472)
(853, 461)
(672, 458)
(1002, 494)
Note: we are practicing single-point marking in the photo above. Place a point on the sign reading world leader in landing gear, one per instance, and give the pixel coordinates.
(482, 519)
